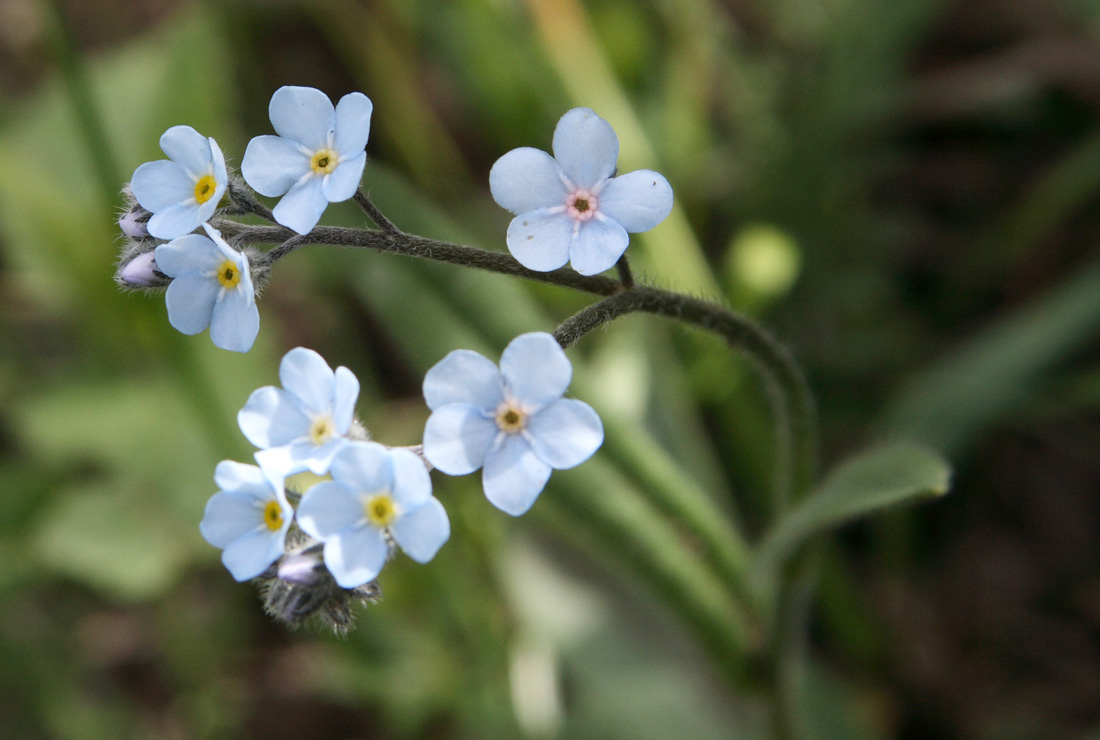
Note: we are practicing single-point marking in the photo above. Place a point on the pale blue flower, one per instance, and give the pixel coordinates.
(316, 159)
(306, 422)
(513, 422)
(211, 286)
(571, 207)
(184, 190)
(376, 495)
(248, 517)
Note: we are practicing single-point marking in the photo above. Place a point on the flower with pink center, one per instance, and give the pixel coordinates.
(571, 207)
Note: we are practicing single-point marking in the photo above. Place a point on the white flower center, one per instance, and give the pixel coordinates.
(581, 205)
(511, 418)
(322, 430)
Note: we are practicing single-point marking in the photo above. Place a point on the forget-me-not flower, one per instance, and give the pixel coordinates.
(317, 157)
(571, 207)
(248, 517)
(184, 190)
(376, 495)
(306, 422)
(211, 286)
(512, 421)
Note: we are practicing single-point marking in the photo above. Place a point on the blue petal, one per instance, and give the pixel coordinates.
(187, 253)
(229, 516)
(272, 165)
(363, 466)
(565, 433)
(598, 246)
(242, 477)
(411, 485)
(302, 206)
(535, 369)
(272, 417)
(341, 183)
(235, 321)
(457, 437)
(328, 508)
(177, 220)
(352, 124)
(514, 476)
(304, 114)
(527, 179)
(317, 459)
(346, 392)
(188, 148)
(221, 175)
(191, 298)
(307, 376)
(539, 240)
(356, 556)
(279, 461)
(463, 376)
(421, 532)
(638, 200)
(161, 184)
(250, 555)
(586, 147)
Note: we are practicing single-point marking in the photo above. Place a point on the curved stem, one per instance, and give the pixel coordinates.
(787, 388)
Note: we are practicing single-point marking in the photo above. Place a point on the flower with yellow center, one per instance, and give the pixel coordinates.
(377, 496)
(248, 518)
(183, 191)
(211, 286)
(307, 421)
(317, 157)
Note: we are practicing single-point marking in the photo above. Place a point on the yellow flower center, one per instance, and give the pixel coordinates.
(273, 516)
(380, 510)
(324, 161)
(510, 418)
(321, 430)
(228, 274)
(204, 188)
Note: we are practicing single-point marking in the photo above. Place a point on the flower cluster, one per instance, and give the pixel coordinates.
(513, 422)
(320, 550)
(570, 207)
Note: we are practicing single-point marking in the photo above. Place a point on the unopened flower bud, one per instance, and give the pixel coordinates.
(141, 272)
(134, 223)
(304, 568)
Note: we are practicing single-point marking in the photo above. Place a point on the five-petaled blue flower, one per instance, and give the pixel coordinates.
(184, 190)
(512, 421)
(248, 518)
(317, 158)
(305, 422)
(376, 495)
(211, 286)
(570, 207)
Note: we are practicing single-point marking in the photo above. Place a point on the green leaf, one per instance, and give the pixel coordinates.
(949, 404)
(872, 480)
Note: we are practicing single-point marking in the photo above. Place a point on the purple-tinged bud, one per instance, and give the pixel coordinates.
(141, 272)
(134, 224)
(303, 568)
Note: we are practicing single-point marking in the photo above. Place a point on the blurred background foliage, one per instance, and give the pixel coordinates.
(905, 191)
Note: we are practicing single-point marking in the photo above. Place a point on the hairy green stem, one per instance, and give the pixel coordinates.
(788, 391)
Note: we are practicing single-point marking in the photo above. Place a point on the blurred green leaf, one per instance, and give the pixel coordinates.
(950, 403)
(862, 485)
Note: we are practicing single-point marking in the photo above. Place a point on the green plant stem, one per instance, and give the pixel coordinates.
(647, 542)
(788, 391)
